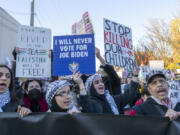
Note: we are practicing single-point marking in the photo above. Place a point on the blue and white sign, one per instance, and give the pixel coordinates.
(73, 53)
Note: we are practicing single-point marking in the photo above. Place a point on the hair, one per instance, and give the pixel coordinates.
(145, 91)
(11, 85)
(28, 81)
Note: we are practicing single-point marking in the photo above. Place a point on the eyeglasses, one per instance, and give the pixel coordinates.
(64, 94)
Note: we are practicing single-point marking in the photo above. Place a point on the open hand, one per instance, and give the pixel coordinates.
(171, 114)
(23, 111)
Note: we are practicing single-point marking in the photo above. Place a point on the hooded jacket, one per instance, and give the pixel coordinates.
(96, 103)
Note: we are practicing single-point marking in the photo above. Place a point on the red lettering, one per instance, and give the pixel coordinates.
(126, 42)
(117, 40)
(110, 37)
(113, 38)
(130, 44)
(122, 45)
(105, 36)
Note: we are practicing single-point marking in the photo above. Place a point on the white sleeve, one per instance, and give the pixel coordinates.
(1, 110)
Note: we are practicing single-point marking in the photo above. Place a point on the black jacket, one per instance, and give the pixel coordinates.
(112, 82)
(138, 96)
(91, 104)
(10, 107)
(151, 107)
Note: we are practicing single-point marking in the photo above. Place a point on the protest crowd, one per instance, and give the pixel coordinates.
(102, 92)
(64, 79)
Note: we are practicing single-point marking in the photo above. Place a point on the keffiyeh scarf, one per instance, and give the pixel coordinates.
(108, 97)
(4, 98)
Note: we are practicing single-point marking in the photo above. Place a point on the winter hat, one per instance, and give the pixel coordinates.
(53, 88)
(152, 74)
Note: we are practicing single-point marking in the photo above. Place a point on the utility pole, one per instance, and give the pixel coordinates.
(32, 13)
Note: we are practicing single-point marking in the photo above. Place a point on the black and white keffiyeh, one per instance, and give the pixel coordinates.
(90, 80)
(4, 98)
(53, 88)
(111, 102)
(109, 98)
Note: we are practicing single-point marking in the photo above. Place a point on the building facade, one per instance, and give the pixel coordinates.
(8, 35)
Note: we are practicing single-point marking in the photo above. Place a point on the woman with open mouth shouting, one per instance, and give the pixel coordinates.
(60, 98)
(95, 99)
(8, 100)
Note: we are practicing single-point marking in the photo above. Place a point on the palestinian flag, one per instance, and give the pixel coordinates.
(116, 68)
(42, 52)
(22, 50)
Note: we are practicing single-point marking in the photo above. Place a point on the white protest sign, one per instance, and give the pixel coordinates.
(118, 45)
(174, 91)
(84, 26)
(156, 64)
(144, 71)
(34, 44)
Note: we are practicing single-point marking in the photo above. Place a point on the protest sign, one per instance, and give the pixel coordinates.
(74, 53)
(118, 45)
(156, 64)
(124, 74)
(34, 44)
(84, 26)
(174, 91)
(144, 71)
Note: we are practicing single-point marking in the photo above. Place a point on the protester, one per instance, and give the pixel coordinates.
(45, 81)
(8, 100)
(144, 96)
(59, 97)
(158, 104)
(95, 99)
(110, 78)
(19, 88)
(34, 98)
(128, 107)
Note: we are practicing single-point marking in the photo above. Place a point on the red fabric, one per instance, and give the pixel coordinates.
(126, 112)
(140, 101)
(132, 112)
(41, 102)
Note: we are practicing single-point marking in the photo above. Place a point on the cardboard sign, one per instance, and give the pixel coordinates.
(74, 53)
(156, 64)
(144, 70)
(118, 45)
(34, 44)
(84, 26)
(174, 91)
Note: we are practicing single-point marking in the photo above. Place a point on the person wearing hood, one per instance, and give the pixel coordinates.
(34, 99)
(60, 98)
(95, 99)
(8, 100)
(111, 80)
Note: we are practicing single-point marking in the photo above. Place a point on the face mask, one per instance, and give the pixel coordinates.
(34, 93)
